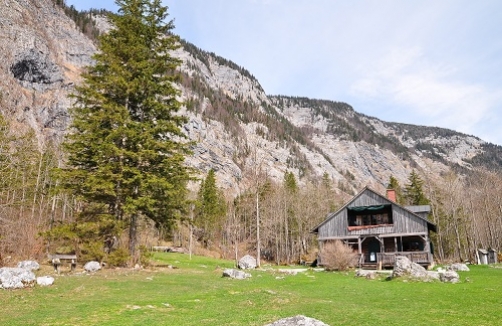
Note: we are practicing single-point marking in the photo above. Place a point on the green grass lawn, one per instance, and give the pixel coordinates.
(196, 294)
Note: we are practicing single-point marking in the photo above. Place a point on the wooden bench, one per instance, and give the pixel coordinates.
(57, 259)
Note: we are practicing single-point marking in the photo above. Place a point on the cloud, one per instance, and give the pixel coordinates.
(429, 91)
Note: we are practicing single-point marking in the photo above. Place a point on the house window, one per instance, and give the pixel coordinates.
(370, 215)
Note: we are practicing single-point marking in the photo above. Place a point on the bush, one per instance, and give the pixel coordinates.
(92, 251)
(118, 258)
(145, 256)
(338, 256)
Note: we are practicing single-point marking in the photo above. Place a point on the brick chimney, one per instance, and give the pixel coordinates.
(391, 195)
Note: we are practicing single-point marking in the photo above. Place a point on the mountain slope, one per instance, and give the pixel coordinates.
(235, 124)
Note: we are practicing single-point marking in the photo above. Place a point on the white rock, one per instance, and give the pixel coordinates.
(298, 321)
(449, 277)
(247, 262)
(458, 267)
(45, 280)
(234, 273)
(92, 266)
(29, 265)
(16, 278)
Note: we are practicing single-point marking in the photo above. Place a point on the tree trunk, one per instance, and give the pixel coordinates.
(133, 232)
(258, 242)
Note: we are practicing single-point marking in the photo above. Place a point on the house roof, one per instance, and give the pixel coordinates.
(411, 209)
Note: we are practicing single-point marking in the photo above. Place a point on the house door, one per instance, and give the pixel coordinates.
(373, 249)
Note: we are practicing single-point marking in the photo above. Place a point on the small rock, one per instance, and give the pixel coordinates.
(45, 280)
(449, 277)
(458, 267)
(298, 321)
(236, 274)
(364, 273)
(92, 266)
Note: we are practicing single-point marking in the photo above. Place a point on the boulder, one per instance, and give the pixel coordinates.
(45, 280)
(458, 267)
(92, 266)
(405, 267)
(298, 321)
(235, 273)
(434, 275)
(16, 278)
(30, 265)
(449, 277)
(247, 262)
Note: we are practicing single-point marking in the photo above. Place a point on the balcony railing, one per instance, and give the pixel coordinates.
(386, 259)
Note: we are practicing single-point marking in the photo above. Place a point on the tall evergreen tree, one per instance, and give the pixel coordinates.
(290, 183)
(211, 205)
(126, 149)
(414, 190)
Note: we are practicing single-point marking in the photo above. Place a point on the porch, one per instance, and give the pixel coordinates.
(380, 251)
(387, 259)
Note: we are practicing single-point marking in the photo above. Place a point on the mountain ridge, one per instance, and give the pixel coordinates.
(234, 123)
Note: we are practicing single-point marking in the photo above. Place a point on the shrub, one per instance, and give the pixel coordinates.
(92, 251)
(338, 256)
(118, 258)
(145, 256)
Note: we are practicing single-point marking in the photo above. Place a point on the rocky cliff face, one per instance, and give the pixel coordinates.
(235, 124)
(42, 56)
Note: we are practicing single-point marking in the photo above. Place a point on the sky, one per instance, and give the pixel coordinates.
(429, 62)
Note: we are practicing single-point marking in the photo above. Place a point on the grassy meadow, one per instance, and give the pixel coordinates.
(194, 293)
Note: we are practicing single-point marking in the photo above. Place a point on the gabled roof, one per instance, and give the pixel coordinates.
(430, 226)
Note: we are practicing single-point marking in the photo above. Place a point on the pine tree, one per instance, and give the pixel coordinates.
(126, 149)
(290, 183)
(211, 205)
(414, 192)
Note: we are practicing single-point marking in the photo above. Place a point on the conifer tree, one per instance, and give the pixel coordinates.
(414, 190)
(126, 149)
(290, 183)
(211, 205)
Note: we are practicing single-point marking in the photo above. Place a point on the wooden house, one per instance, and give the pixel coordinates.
(379, 229)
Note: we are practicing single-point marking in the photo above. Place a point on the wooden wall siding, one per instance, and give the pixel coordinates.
(369, 198)
(335, 227)
(404, 221)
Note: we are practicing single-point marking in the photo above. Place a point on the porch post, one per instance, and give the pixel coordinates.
(359, 250)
